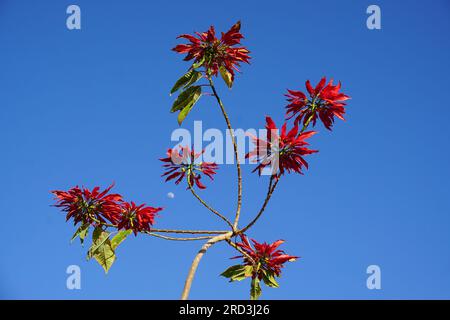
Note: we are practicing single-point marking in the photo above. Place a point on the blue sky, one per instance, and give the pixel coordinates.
(91, 106)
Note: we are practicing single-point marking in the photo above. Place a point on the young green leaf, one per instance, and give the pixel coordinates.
(81, 232)
(101, 249)
(226, 76)
(194, 78)
(269, 279)
(231, 270)
(238, 272)
(186, 80)
(185, 98)
(119, 237)
(255, 289)
(198, 63)
(190, 102)
(105, 256)
(99, 237)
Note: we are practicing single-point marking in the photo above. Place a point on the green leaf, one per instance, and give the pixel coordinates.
(186, 80)
(226, 76)
(238, 272)
(118, 238)
(195, 77)
(105, 256)
(185, 98)
(101, 249)
(99, 237)
(255, 289)
(190, 102)
(81, 232)
(231, 270)
(269, 279)
(198, 63)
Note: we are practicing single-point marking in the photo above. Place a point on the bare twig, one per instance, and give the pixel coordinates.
(189, 231)
(207, 205)
(236, 154)
(178, 239)
(235, 246)
(272, 186)
(175, 230)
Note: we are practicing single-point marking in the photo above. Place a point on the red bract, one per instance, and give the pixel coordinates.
(325, 102)
(266, 256)
(85, 206)
(183, 162)
(137, 218)
(282, 152)
(212, 53)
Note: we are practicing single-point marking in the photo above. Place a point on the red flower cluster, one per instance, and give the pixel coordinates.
(282, 152)
(85, 206)
(183, 162)
(324, 102)
(265, 255)
(95, 207)
(212, 53)
(137, 218)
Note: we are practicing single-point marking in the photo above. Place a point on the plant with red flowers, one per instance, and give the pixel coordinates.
(263, 262)
(113, 218)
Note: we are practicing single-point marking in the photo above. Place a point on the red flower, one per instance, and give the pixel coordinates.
(284, 152)
(325, 102)
(137, 218)
(89, 206)
(208, 51)
(182, 162)
(267, 256)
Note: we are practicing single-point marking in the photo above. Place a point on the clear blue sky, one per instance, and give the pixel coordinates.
(91, 107)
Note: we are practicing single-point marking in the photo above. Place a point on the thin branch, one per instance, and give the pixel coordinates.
(189, 231)
(198, 257)
(235, 246)
(178, 239)
(176, 230)
(238, 165)
(207, 205)
(272, 186)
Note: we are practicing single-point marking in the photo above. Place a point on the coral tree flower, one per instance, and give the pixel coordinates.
(267, 256)
(137, 218)
(213, 53)
(183, 162)
(324, 102)
(283, 152)
(92, 207)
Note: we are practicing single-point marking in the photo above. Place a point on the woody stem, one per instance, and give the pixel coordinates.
(198, 257)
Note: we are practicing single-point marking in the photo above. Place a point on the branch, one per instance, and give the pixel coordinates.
(207, 205)
(231, 243)
(238, 165)
(177, 239)
(198, 257)
(270, 190)
(175, 230)
(189, 231)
